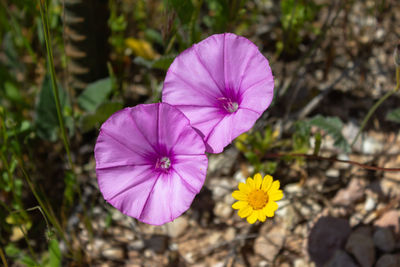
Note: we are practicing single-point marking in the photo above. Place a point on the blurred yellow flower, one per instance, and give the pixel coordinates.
(257, 198)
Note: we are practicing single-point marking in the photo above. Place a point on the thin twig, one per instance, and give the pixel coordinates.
(314, 157)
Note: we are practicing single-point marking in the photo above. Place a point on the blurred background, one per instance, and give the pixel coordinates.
(331, 60)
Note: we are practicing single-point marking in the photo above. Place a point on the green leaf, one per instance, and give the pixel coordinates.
(46, 120)
(12, 251)
(332, 126)
(161, 63)
(54, 253)
(394, 115)
(12, 92)
(184, 9)
(28, 261)
(102, 113)
(95, 94)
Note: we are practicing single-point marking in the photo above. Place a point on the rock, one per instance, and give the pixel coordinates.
(361, 246)
(388, 260)
(391, 219)
(269, 245)
(327, 236)
(370, 203)
(113, 253)
(220, 187)
(157, 243)
(177, 227)
(340, 259)
(223, 210)
(136, 245)
(384, 239)
(352, 193)
(230, 234)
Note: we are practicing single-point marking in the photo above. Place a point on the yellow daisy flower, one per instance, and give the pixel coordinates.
(257, 198)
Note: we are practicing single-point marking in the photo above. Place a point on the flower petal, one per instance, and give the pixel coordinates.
(266, 183)
(192, 169)
(261, 216)
(239, 195)
(180, 138)
(270, 208)
(169, 198)
(244, 188)
(274, 187)
(257, 181)
(245, 212)
(277, 195)
(252, 218)
(240, 205)
(250, 182)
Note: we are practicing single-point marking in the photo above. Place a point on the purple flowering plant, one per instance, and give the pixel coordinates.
(150, 163)
(150, 159)
(223, 85)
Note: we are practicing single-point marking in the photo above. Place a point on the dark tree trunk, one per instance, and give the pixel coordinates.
(86, 33)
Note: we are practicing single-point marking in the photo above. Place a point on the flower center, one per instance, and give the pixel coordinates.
(228, 104)
(257, 199)
(163, 163)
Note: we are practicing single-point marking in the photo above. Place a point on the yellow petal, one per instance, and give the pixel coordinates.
(266, 183)
(257, 180)
(239, 195)
(245, 212)
(275, 186)
(239, 205)
(244, 188)
(270, 208)
(252, 218)
(277, 195)
(261, 216)
(250, 183)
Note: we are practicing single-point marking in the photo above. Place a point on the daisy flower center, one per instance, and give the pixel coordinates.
(257, 199)
(228, 104)
(163, 163)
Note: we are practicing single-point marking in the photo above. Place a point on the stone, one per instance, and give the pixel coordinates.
(390, 219)
(388, 260)
(113, 253)
(157, 243)
(223, 210)
(177, 227)
(361, 246)
(352, 193)
(341, 259)
(230, 234)
(328, 235)
(384, 239)
(269, 245)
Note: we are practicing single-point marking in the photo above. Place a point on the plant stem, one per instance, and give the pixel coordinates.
(46, 30)
(3, 258)
(314, 157)
(377, 104)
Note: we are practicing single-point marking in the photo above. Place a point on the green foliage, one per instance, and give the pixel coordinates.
(94, 120)
(161, 63)
(46, 121)
(54, 254)
(332, 126)
(184, 9)
(296, 17)
(95, 94)
(394, 115)
(20, 256)
(254, 146)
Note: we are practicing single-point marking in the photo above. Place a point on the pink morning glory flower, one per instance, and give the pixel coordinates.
(223, 85)
(150, 162)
